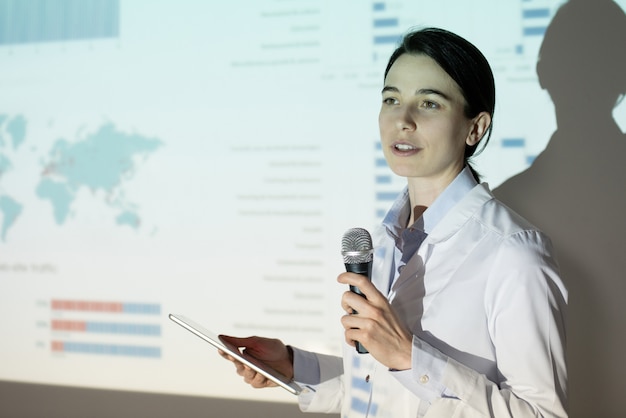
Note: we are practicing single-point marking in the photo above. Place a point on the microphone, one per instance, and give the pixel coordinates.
(357, 252)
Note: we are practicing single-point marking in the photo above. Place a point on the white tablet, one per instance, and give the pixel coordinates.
(251, 362)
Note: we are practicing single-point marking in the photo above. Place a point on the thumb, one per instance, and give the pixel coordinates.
(236, 341)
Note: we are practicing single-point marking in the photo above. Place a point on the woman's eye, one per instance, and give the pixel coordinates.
(429, 104)
(389, 101)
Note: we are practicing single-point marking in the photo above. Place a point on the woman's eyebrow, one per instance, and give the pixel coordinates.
(433, 91)
(417, 92)
(390, 88)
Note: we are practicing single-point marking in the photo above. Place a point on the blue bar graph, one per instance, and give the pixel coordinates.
(378, 6)
(107, 349)
(387, 39)
(34, 21)
(385, 188)
(535, 31)
(380, 162)
(358, 383)
(142, 308)
(64, 325)
(105, 306)
(535, 19)
(535, 13)
(383, 179)
(386, 23)
(121, 328)
(513, 143)
(386, 196)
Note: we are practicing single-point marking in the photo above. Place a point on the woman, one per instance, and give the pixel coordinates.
(464, 316)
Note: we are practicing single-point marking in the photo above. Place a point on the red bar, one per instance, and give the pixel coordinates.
(62, 325)
(56, 345)
(84, 305)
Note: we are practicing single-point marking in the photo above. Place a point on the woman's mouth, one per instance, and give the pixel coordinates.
(402, 148)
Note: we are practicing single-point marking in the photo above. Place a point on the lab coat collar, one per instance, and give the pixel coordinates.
(446, 228)
(464, 210)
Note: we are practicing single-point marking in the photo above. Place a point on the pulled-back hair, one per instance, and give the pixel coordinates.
(465, 64)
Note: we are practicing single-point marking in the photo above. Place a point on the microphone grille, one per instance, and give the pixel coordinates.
(356, 246)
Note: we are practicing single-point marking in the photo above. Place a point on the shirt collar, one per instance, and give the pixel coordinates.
(396, 219)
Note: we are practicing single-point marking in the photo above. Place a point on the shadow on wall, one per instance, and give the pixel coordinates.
(575, 191)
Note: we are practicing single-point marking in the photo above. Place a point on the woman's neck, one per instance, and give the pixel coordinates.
(423, 192)
(420, 198)
(416, 213)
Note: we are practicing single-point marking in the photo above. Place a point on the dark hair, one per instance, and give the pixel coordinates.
(465, 64)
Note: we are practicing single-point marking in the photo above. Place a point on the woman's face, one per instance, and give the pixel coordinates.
(423, 127)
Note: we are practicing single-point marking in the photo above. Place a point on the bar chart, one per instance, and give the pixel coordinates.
(106, 328)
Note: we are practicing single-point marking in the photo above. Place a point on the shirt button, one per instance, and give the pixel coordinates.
(424, 379)
(367, 378)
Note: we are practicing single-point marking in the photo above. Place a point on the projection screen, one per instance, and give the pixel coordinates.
(205, 158)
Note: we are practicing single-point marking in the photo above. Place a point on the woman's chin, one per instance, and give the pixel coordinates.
(404, 171)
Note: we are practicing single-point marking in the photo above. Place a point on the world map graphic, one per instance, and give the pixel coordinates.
(105, 160)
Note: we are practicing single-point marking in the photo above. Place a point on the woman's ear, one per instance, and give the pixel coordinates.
(479, 126)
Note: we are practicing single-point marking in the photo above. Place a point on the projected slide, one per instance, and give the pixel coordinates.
(205, 158)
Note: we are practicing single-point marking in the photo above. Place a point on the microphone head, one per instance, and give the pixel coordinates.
(356, 246)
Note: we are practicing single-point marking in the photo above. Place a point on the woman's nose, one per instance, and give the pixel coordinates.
(406, 119)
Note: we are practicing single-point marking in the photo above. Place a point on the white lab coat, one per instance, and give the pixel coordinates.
(486, 306)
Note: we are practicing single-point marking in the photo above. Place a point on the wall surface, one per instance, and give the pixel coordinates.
(31, 401)
(574, 191)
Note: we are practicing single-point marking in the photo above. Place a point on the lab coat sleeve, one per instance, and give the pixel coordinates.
(324, 392)
(525, 304)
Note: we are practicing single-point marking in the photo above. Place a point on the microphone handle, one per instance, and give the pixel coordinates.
(364, 269)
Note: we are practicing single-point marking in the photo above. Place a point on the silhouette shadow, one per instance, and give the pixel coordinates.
(575, 192)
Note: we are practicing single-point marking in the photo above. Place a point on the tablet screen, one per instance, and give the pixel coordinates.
(251, 362)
